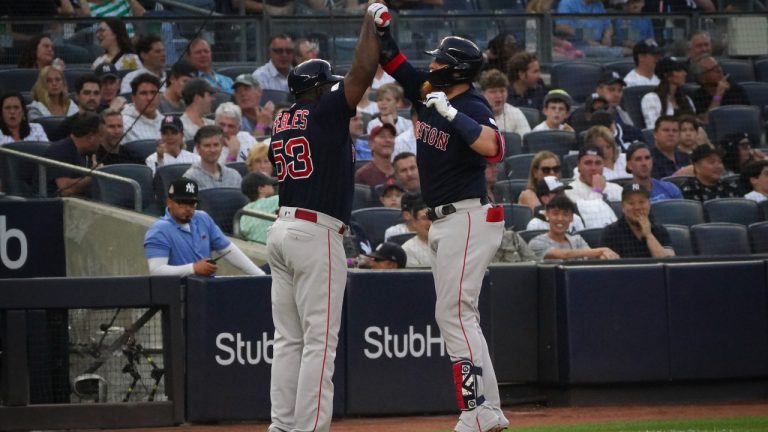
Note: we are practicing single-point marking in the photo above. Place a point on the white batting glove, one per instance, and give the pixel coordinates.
(440, 101)
(380, 14)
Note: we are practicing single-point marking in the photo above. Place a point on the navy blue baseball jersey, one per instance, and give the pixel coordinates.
(312, 153)
(449, 169)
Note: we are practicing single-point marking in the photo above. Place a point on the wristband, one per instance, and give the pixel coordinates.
(466, 127)
(717, 98)
(598, 190)
(260, 126)
(231, 158)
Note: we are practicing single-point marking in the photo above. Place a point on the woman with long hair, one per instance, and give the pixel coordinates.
(544, 163)
(14, 121)
(118, 49)
(39, 53)
(614, 161)
(50, 96)
(668, 97)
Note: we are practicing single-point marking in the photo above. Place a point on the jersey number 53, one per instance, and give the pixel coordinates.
(293, 159)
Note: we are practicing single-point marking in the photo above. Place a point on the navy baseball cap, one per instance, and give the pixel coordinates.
(183, 189)
(106, 70)
(389, 251)
(704, 151)
(646, 46)
(667, 65)
(548, 185)
(172, 122)
(630, 189)
(611, 77)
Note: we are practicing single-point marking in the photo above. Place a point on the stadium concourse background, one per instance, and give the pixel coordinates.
(626, 332)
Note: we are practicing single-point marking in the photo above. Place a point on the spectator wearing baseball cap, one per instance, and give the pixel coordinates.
(590, 190)
(417, 248)
(557, 104)
(390, 194)
(260, 189)
(407, 202)
(171, 100)
(635, 235)
(170, 148)
(381, 141)
(640, 165)
(614, 161)
(256, 118)
(707, 182)
(546, 189)
(182, 242)
(581, 118)
(646, 54)
(198, 97)
(668, 97)
(387, 256)
(110, 87)
(611, 88)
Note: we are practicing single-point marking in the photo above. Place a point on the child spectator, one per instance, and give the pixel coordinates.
(546, 189)
(557, 104)
(417, 248)
(260, 190)
(755, 175)
(390, 195)
(388, 98)
(692, 134)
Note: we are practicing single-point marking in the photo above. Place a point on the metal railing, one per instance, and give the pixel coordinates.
(42, 163)
(247, 212)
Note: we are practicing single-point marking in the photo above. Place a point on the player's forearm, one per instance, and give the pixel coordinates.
(488, 143)
(237, 258)
(364, 64)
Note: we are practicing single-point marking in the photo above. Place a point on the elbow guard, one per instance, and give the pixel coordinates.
(501, 149)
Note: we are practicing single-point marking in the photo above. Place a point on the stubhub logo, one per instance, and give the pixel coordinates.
(13, 263)
(381, 342)
(233, 348)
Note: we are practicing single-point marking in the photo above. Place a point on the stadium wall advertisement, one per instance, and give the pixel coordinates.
(32, 246)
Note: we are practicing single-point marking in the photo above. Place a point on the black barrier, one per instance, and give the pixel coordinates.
(396, 359)
(32, 239)
(229, 349)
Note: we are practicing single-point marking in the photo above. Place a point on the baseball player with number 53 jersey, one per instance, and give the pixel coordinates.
(456, 137)
(313, 154)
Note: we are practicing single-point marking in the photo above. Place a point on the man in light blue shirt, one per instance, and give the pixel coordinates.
(596, 34)
(201, 57)
(274, 74)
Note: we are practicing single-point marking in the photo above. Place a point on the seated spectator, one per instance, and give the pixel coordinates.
(557, 243)
(111, 152)
(182, 242)
(381, 140)
(635, 235)
(406, 141)
(87, 96)
(380, 78)
(260, 190)
(142, 119)
(527, 88)
(672, 6)
(14, 121)
(109, 82)
(200, 56)
(640, 165)
(546, 189)
(76, 149)
(237, 144)
(39, 54)
(273, 75)
(755, 174)
(390, 194)
(738, 152)
(151, 50)
(303, 50)
(407, 202)
(708, 171)
(715, 88)
(198, 98)
(557, 104)
(591, 35)
(614, 162)
(631, 30)
(407, 172)
(209, 172)
(258, 159)
(171, 100)
(388, 97)
(667, 159)
(417, 247)
(493, 84)
(668, 98)
(699, 45)
(544, 163)
(581, 118)
(118, 49)
(513, 249)
(387, 256)
(170, 148)
(692, 134)
(256, 119)
(50, 96)
(646, 54)
(358, 137)
(611, 88)
(590, 190)
(500, 49)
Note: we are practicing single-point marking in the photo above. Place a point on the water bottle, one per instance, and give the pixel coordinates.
(531, 35)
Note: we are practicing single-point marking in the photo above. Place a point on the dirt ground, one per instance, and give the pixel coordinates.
(518, 417)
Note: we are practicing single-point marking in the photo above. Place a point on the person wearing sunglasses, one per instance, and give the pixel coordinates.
(273, 75)
(544, 163)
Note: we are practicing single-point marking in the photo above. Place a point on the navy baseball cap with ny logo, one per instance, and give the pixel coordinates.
(183, 189)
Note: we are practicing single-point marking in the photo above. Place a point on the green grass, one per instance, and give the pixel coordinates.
(738, 424)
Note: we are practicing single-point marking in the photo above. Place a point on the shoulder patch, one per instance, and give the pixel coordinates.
(493, 122)
(335, 87)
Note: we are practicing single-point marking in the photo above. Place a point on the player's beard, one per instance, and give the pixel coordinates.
(426, 89)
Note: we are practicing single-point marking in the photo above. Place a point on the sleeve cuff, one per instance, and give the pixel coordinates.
(393, 64)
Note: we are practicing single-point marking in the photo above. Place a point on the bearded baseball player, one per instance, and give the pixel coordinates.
(456, 136)
(313, 153)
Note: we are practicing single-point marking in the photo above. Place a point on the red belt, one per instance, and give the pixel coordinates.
(312, 217)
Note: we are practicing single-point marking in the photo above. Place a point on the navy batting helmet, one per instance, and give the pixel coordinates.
(311, 74)
(464, 60)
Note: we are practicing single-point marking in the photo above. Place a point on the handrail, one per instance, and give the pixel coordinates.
(186, 7)
(43, 179)
(248, 212)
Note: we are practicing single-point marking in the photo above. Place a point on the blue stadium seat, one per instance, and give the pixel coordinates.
(18, 176)
(219, 98)
(735, 118)
(49, 124)
(578, 78)
(735, 210)
(678, 212)
(558, 142)
(121, 194)
(518, 166)
(568, 163)
(234, 71)
(758, 236)
(517, 216)
(375, 221)
(622, 67)
(507, 191)
(527, 235)
(648, 137)
(18, 79)
(277, 97)
(720, 238)
(630, 101)
(616, 207)
(532, 115)
(680, 237)
(757, 92)
(140, 149)
(677, 180)
(761, 70)
(514, 143)
(363, 197)
(71, 74)
(593, 236)
(165, 175)
(738, 69)
(239, 167)
(221, 204)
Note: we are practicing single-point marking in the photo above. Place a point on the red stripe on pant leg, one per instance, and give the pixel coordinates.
(461, 285)
(327, 328)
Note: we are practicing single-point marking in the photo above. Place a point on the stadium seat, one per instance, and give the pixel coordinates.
(234, 71)
(375, 221)
(514, 143)
(593, 236)
(18, 176)
(49, 124)
(532, 115)
(622, 181)
(72, 54)
(527, 235)
(689, 89)
(763, 208)
(122, 195)
(501, 173)
(517, 216)
(165, 175)
(622, 67)
(678, 212)
(219, 98)
(720, 238)
(363, 197)
(221, 204)
(761, 70)
(239, 167)
(735, 118)
(518, 166)
(71, 74)
(277, 97)
(140, 149)
(18, 79)
(735, 210)
(758, 237)
(578, 78)
(738, 69)
(677, 180)
(507, 191)
(558, 142)
(757, 92)
(648, 137)
(568, 163)
(680, 237)
(616, 207)
(401, 238)
(630, 101)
